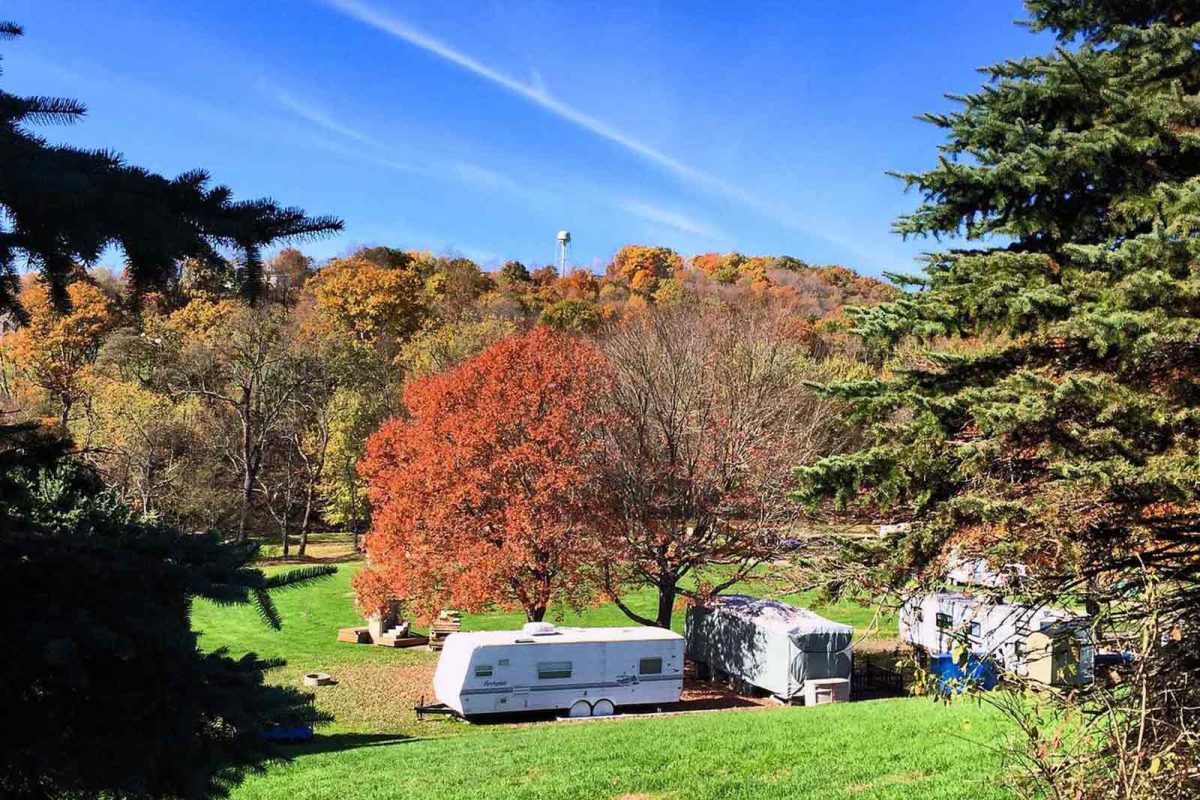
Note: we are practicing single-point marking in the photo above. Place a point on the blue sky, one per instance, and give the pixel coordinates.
(482, 128)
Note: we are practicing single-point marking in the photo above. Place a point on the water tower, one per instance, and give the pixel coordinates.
(564, 242)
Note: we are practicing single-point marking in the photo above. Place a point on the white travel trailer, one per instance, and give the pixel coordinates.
(1011, 634)
(583, 671)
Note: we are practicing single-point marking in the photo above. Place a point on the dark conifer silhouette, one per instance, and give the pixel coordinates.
(63, 206)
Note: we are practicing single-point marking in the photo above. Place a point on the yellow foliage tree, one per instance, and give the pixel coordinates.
(371, 300)
(55, 350)
(439, 348)
(135, 437)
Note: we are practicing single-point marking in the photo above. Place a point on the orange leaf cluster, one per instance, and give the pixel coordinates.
(487, 492)
(54, 351)
(643, 266)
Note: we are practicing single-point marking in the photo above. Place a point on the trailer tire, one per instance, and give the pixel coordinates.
(603, 708)
(580, 708)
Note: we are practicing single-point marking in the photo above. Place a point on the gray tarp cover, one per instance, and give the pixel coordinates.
(795, 622)
(768, 643)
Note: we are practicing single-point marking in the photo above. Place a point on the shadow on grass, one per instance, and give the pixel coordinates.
(338, 742)
(338, 558)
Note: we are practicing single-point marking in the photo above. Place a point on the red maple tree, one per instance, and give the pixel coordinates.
(486, 491)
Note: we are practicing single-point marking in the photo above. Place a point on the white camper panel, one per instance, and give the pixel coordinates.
(996, 629)
(587, 671)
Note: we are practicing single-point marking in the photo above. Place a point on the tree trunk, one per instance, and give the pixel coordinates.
(247, 464)
(247, 492)
(356, 524)
(666, 601)
(283, 532)
(535, 614)
(307, 522)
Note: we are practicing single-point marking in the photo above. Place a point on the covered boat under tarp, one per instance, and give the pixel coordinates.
(767, 643)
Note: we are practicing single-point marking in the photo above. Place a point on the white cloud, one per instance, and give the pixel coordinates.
(671, 219)
(321, 119)
(536, 94)
(539, 96)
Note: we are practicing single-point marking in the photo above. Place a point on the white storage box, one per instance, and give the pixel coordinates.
(818, 691)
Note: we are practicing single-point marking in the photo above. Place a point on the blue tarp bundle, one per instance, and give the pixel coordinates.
(287, 734)
(954, 677)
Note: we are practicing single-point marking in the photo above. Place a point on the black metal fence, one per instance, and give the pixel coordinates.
(868, 680)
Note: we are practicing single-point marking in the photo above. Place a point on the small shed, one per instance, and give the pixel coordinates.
(768, 644)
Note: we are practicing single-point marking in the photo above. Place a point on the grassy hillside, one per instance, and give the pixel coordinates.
(312, 615)
(377, 749)
(378, 687)
(886, 749)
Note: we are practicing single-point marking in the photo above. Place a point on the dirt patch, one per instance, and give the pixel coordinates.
(902, 779)
(374, 696)
(322, 548)
(701, 695)
(888, 646)
(318, 553)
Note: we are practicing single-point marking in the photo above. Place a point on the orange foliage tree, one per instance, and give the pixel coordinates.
(487, 491)
(642, 267)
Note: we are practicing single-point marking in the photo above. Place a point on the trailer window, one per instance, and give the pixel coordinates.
(650, 666)
(483, 670)
(548, 670)
(944, 621)
(974, 629)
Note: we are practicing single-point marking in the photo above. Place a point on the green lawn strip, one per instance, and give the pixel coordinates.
(312, 615)
(644, 601)
(886, 749)
(376, 748)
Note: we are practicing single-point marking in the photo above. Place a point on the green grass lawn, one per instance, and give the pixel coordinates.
(645, 602)
(909, 748)
(376, 748)
(312, 615)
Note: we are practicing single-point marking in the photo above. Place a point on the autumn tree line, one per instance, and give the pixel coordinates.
(210, 412)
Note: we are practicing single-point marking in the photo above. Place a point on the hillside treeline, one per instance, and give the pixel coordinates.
(211, 413)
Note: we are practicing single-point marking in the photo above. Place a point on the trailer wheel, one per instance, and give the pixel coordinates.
(581, 708)
(603, 708)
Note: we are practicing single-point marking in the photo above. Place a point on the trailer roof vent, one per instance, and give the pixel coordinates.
(538, 628)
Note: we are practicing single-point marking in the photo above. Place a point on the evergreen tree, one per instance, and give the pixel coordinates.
(104, 690)
(1041, 397)
(63, 206)
(514, 273)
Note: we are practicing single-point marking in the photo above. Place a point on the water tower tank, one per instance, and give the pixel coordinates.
(564, 237)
